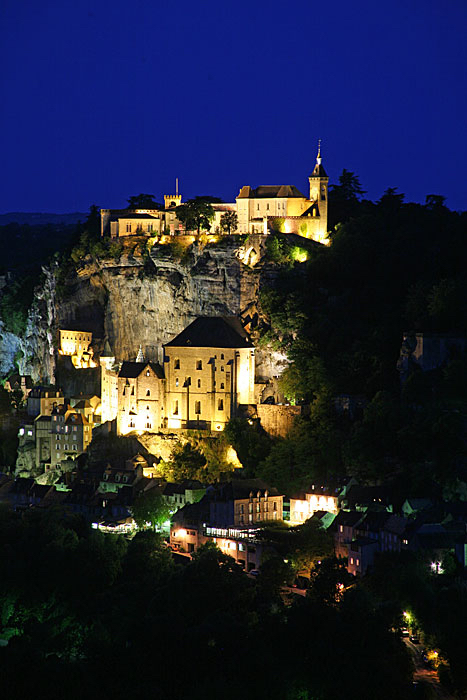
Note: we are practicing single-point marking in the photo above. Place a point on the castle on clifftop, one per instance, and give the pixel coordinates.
(259, 210)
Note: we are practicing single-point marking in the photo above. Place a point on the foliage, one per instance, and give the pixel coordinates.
(143, 201)
(196, 214)
(250, 442)
(229, 222)
(150, 508)
(15, 302)
(302, 546)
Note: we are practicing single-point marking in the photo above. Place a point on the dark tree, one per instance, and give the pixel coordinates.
(229, 222)
(196, 214)
(143, 201)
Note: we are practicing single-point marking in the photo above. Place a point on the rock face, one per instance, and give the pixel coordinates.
(147, 300)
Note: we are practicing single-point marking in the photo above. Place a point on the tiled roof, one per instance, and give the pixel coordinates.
(212, 332)
(268, 191)
(131, 370)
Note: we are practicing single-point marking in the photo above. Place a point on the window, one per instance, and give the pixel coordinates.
(148, 393)
(257, 207)
(199, 364)
(351, 560)
(57, 437)
(147, 408)
(220, 405)
(176, 381)
(75, 428)
(147, 373)
(222, 355)
(357, 561)
(222, 385)
(75, 437)
(128, 228)
(199, 383)
(222, 368)
(57, 446)
(198, 408)
(149, 228)
(267, 207)
(275, 505)
(274, 516)
(257, 507)
(175, 408)
(148, 425)
(341, 528)
(132, 390)
(75, 447)
(176, 364)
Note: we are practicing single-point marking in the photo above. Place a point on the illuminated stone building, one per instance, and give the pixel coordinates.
(208, 371)
(140, 397)
(259, 210)
(71, 434)
(285, 208)
(42, 401)
(77, 344)
(305, 505)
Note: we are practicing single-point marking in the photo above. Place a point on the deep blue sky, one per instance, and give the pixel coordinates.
(102, 99)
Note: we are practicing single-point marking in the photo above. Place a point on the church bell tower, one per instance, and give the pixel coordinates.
(319, 191)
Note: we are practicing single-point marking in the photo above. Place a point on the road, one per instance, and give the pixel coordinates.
(424, 674)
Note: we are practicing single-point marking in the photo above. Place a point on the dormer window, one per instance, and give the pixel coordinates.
(147, 373)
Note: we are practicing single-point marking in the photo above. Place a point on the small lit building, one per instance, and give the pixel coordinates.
(71, 434)
(43, 400)
(304, 505)
(140, 396)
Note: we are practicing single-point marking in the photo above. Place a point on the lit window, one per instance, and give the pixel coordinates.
(351, 560)
(147, 373)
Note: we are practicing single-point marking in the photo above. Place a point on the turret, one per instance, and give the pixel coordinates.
(319, 190)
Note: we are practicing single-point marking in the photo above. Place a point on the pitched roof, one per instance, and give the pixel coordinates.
(241, 488)
(212, 332)
(131, 370)
(268, 191)
(319, 171)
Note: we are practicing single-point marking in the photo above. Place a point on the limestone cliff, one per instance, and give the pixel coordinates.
(147, 299)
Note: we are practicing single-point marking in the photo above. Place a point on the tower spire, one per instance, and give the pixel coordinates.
(140, 356)
(318, 157)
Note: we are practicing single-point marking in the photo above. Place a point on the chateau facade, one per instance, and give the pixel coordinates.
(207, 372)
(259, 210)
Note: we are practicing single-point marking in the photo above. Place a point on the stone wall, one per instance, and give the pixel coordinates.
(277, 420)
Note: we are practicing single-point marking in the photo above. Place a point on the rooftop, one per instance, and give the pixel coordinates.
(212, 332)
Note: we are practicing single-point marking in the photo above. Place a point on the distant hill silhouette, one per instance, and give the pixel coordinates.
(40, 218)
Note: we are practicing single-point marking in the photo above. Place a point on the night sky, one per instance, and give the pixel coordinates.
(105, 99)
